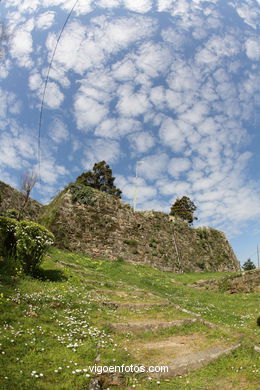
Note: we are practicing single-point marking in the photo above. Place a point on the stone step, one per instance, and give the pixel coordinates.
(198, 316)
(149, 326)
(134, 306)
(178, 366)
(184, 364)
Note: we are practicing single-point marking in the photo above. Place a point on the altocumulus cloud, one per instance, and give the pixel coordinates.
(172, 83)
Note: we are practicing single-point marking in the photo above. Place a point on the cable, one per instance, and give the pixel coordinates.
(45, 87)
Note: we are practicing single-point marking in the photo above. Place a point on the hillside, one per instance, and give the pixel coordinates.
(104, 227)
(83, 312)
(10, 198)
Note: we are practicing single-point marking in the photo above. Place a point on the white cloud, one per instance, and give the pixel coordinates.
(178, 165)
(53, 96)
(35, 81)
(17, 148)
(10, 105)
(174, 37)
(142, 142)
(153, 59)
(141, 6)
(253, 49)
(153, 166)
(131, 103)
(45, 20)
(21, 47)
(117, 127)
(50, 171)
(109, 3)
(249, 12)
(132, 187)
(177, 188)
(216, 48)
(196, 114)
(88, 112)
(171, 135)
(124, 70)
(58, 131)
(100, 149)
(84, 47)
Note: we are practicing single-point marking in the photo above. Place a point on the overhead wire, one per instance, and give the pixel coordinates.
(45, 87)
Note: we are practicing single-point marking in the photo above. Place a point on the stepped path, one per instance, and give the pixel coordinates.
(157, 332)
(154, 331)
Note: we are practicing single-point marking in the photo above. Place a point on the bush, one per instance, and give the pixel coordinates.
(7, 237)
(248, 265)
(10, 213)
(131, 242)
(82, 194)
(32, 241)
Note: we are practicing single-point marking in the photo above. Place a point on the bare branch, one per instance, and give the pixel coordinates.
(28, 181)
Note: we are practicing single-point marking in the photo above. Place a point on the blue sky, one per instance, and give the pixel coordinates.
(172, 84)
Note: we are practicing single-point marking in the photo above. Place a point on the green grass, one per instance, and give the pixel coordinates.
(55, 324)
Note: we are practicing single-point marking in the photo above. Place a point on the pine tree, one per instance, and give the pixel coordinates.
(184, 208)
(248, 265)
(100, 178)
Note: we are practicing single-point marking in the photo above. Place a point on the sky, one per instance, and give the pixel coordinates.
(167, 89)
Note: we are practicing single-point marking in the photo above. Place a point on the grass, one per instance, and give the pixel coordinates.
(54, 326)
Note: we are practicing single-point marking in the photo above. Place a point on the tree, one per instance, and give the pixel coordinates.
(184, 208)
(248, 265)
(27, 183)
(100, 178)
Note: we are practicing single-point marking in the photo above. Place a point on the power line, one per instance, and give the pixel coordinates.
(45, 87)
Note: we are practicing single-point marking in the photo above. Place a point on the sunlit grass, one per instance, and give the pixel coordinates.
(53, 327)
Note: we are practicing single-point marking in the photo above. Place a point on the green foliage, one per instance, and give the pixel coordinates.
(248, 265)
(131, 242)
(82, 194)
(10, 213)
(100, 178)
(120, 259)
(24, 241)
(184, 208)
(7, 237)
(202, 233)
(32, 241)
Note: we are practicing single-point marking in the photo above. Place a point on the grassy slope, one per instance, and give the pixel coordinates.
(41, 318)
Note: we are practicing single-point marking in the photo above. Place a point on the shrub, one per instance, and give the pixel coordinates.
(82, 194)
(248, 265)
(10, 213)
(7, 237)
(120, 259)
(131, 242)
(32, 241)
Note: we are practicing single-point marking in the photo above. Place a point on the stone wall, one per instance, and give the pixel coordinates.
(111, 229)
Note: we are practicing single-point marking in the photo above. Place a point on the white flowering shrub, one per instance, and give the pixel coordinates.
(7, 237)
(32, 242)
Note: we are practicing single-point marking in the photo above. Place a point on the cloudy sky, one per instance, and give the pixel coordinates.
(169, 86)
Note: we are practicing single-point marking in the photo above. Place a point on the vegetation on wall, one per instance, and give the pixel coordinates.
(82, 194)
(184, 208)
(100, 178)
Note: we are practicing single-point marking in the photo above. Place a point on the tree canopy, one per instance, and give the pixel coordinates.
(100, 178)
(248, 265)
(184, 208)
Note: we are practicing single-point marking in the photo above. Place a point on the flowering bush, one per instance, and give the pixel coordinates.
(10, 213)
(7, 237)
(32, 241)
